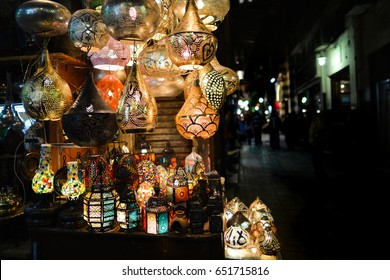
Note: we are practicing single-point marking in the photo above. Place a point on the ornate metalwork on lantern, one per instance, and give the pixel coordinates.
(197, 118)
(87, 31)
(191, 45)
(129, 21)
(232, 81)
(157, 218)
(46, 95)
(177, 186)
(127, 211)
(43, 18)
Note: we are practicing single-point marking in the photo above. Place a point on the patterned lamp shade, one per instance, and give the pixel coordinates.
(110, 88)
(157, 216)
(232, 81)
(128, 211)
(177, 186)
(191, 45)
(197, 118)
(128, 20)
(211, 12)
(99, 208)
(42, 181)
(87, 31)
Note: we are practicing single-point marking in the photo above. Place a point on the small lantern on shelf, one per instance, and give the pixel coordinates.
(157, 215)
(177, 186)
(127, 211)
(196, 215)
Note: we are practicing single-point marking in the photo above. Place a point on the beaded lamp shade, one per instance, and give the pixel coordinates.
(211, 83)
(137, 108)
(196, 117)
(232, 81)
(131, 20)
(191, 45)
(46, 95)
(110, 88)
(211, 12)
(112, 57)
(87, 31)
(43, 18)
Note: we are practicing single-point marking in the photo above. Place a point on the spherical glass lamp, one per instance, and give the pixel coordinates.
(87, 31)
(110, 88)
(191, 45)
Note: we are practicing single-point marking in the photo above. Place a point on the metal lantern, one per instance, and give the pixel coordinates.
(99, 208)
(232, 81)
(157, 216)
(196, 214)
(43, 18)
(191, 45)
(177, 186)
(128, 211)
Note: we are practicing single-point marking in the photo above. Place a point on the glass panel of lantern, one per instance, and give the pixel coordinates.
(148, 182)
(233, 206)
(127, 211)
(177, 186)
(157, 216)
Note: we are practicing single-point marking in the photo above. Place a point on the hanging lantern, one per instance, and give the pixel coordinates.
(71, 216)
(90, 121)
(43, 18)
(129, 20)
(87, 31)
(191, 45)
(110, 88)
(137, 108)
(165, 87)
(211, 12)
(232, 81)
(177, 186)
(157, 216)
(196, 117)
(127, 211)
(212, 85)
(112, 57)
(45, 95)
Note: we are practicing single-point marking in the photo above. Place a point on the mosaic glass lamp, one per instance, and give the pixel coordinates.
(42, 181)
(191, 45)
(197, 118)
(177, 186)
(71, 216)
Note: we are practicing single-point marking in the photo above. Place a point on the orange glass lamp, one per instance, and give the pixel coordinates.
(196, 117)
(177, 186)
(191, 45)
(110, 88)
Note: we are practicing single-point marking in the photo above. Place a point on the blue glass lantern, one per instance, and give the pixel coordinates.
(157, 216)
(128, 211)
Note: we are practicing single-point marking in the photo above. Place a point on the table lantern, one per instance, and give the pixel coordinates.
(177, 186)
(127, 211)
(196, 215)
(157, 216)
(233, 206)
(179, 223)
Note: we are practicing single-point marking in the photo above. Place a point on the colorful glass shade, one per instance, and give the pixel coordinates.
(90, 121)
(129, 20)
(212, 85)
(110, 88)
(43, 18)
(211, 12)
(87, 31)
(124, 170)
(177, 186)
(196, 117)
(157, 216)
(232, 81)
(128, 211)
(163, 175)
(98, 171)
(73, 187)
(144, 192)
(191, 45)
(42, 181)
(112, 57)
(137, 108)
(45, 95)
(99, 208)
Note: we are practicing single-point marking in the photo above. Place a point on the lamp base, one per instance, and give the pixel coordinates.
(71, 217)
(42, 213)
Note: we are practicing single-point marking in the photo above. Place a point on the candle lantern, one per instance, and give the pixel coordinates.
(157, 215)
(177, 186)
(127, 211)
